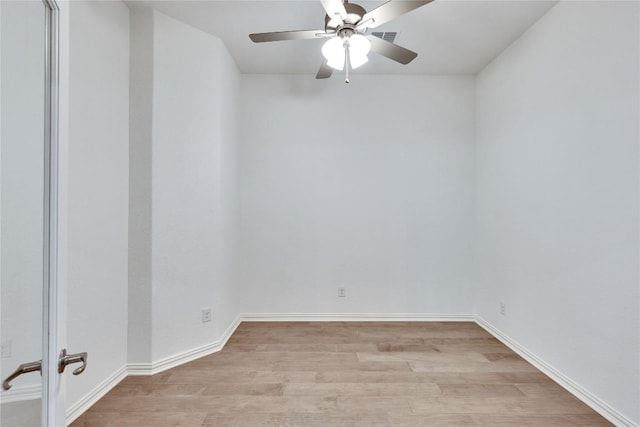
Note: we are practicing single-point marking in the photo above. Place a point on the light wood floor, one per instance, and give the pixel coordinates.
(347, 374)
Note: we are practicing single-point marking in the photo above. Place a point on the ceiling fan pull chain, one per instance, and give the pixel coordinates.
(347, 63)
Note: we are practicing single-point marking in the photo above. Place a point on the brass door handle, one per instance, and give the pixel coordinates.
(25, 368)
(67, 359)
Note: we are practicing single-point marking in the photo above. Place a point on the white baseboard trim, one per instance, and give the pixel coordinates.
(78, 408)
(198, 352)
(184, 357)
(597, 404)
(21, 393)
(355, 317)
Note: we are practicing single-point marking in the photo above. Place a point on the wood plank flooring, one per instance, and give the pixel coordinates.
(347, 374)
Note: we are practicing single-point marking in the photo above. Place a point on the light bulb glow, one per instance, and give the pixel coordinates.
(357, 60)
(334, 51)
(359, 44)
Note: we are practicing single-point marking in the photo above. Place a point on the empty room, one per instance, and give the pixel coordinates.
(320, 213)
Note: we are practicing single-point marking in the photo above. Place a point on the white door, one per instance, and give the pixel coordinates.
(30, 357)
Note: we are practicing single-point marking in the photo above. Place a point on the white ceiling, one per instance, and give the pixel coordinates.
(450, 36)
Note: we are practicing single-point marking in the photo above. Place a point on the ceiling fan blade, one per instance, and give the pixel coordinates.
(334, 8)
(392, 51)
(391, 10)
(325, 71)
(286, 35)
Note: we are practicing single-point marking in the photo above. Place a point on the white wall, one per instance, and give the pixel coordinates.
(228, 292)
(185, 139)
(184, 179)
(140, 184)
(366, 186)
(98, 156)
(557, 195)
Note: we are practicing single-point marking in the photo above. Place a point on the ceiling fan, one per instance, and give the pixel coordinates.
(346, 25)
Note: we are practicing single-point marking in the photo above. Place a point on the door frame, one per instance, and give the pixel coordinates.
(50, 376)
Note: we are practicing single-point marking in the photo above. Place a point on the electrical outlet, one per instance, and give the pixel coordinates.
(342, 292)
(206, 315)
(5, 348)
(503, 309)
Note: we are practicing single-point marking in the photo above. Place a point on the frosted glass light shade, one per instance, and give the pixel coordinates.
(357, 60)
(359, 47)
(333, 51)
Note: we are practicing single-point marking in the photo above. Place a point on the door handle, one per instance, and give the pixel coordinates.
(25, 368)
(68, 359)
(65, 359)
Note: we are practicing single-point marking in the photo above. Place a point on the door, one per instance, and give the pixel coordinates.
(28, 168)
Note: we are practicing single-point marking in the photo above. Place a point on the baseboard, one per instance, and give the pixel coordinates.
(597, 404)
(198, 352)
(94, 395)
(184, 357)
(21, 393)
(355, 317)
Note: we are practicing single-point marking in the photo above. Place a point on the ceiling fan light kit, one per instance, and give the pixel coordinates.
(354, 49)
(346, 25)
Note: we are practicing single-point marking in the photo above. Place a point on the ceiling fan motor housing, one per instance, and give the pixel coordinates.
(354, 15)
